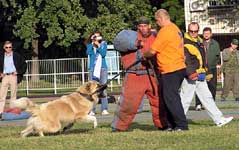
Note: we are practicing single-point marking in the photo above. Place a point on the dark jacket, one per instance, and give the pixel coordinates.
(213, 54)
(230, 60)
(196, 60)
(19, 62)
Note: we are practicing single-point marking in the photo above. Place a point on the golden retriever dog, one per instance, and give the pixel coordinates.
(75, 107)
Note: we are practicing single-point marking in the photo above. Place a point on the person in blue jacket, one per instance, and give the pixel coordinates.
(96, 50)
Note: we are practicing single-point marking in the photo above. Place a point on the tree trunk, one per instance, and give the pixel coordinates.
(35, 63)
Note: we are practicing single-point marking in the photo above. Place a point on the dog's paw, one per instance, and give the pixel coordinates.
(95, 124)
(23, 135)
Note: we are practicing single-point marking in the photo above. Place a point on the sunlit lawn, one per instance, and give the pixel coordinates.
(142, 135)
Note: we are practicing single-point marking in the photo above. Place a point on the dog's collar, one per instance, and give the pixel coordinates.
(87, 96)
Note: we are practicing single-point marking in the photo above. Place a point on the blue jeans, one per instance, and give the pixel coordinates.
(103, 80)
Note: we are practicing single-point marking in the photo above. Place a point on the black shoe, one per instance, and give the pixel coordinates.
(169, 129)
(116, 130)
(0, 116)
(237, 99)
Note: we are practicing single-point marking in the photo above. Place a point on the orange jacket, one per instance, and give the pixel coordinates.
(169, 50)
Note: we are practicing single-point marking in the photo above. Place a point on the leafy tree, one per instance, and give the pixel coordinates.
(63, 22)
(60, 21)
(176, 11)
(115, 15)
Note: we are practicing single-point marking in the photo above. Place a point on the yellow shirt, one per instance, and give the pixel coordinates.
(168, 46)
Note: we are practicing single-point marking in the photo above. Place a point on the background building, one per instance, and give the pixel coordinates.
(221, 17)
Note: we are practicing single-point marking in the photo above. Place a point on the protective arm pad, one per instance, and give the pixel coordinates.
(193, 76)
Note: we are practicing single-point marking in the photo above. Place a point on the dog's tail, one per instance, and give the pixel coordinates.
(22, 103)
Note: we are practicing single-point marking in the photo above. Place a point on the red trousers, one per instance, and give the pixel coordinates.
(134, 88)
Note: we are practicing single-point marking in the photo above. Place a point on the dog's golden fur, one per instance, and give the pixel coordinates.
(48, 117)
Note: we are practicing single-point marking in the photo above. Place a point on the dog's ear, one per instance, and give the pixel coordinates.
(87, 87)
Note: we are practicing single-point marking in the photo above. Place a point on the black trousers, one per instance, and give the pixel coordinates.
(171, 83)
(212, 85)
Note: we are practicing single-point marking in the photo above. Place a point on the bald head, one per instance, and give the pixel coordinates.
(162, 17)
(162, 13)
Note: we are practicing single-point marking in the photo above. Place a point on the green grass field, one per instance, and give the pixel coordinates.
(141, 136)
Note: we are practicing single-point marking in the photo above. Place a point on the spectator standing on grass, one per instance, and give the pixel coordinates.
(96, 50)
(12, 68)
(139, 80)
(230, 67)
(168, 48)
(213, 59)
(197, 74)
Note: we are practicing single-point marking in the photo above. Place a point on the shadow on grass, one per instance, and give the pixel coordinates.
(76, 131)
(135, 125)
(68, 132)
(200, 123)
(191, 108)
(142, 126)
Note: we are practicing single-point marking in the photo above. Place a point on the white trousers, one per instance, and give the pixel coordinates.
(188, 89)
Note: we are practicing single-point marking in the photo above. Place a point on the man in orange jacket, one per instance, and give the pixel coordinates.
(169, 50)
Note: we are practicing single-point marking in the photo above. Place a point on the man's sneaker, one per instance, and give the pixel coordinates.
(92, 113)
(180, 129)
(105, 112)
(198, 108)
(224, 121)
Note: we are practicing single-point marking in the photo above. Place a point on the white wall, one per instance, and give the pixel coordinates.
(212, 14)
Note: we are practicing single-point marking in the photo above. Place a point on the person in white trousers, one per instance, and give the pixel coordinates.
(197, 74)
(188, 89)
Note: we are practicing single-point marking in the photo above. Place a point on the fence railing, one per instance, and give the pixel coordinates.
(55, 76)
(60, 75)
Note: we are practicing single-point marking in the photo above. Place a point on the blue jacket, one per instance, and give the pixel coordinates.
(102, 50)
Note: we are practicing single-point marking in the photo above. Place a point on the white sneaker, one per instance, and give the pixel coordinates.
(224, 121)
(105, 112)
(198, 108)
(92, 113)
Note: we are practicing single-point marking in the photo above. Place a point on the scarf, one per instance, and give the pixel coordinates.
(97, 67)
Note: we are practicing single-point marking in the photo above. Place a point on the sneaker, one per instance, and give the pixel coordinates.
(92, 113)
(198, 108)
(177, 130)
(105, 112)
(180, 129)
(224, 121)
(237, 99)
